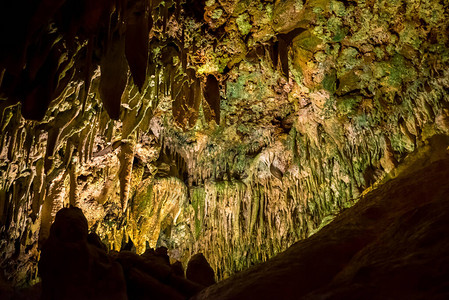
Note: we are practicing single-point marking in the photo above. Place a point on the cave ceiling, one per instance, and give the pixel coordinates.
(230, 127)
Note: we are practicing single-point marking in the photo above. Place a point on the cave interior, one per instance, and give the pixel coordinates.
(224, 149)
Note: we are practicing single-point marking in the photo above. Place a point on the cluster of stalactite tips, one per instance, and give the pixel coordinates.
(232, 128)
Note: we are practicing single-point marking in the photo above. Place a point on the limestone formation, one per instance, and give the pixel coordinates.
(391, 244)
(72, 268)
(230, 128)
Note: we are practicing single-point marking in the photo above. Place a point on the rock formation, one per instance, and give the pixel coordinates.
(391, 245)
(75, 265)
(199, 270)
(227, 127)
(73, 268)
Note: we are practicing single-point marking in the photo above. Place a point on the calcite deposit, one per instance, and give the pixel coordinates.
(391, 245)
(228, 127)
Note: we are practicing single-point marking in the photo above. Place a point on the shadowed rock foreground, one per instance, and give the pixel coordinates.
(76, 265)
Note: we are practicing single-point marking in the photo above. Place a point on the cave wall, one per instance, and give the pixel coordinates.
(273, 117)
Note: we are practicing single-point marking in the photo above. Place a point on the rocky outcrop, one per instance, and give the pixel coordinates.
(199, 270)
(73, 268)
(75, 265)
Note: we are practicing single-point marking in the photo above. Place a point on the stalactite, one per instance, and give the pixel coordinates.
(157, 85)
(257, 182)
(165, 17)
(183, 53)
(126, 158)
(308, 202)
(137, 41)
(12, 141)
(87, 71)
(83, 137)
(212, 97)
(154, 204)
(55, 193)
(52, 141)
(274, 54)
(73, 176)
(91, 140)
(283, 56)
(114, 70)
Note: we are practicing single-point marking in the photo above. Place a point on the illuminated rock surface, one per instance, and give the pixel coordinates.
(252, 126)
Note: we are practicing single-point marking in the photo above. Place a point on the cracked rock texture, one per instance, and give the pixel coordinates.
(253, 125)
